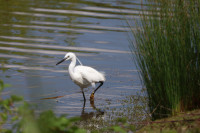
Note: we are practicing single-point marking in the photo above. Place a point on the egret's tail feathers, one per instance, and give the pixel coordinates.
(102, 72)
(103, 75)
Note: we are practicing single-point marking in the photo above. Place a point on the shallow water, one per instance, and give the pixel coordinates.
(35, 35)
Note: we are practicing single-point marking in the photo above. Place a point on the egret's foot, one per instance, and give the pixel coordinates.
(92, 97)
(92, 103)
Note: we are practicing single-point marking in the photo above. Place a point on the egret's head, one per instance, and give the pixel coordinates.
(68, 56)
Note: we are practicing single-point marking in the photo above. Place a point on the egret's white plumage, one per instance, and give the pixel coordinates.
(83, 76)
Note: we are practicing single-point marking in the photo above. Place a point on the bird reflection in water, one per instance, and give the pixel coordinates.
(85, 115)
(89, 115)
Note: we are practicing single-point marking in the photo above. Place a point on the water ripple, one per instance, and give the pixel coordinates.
(53, 28)
(26, 39)
(84, 13)
(87, 49)
(82, 25)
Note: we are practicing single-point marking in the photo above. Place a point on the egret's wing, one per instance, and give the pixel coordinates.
(89, 74)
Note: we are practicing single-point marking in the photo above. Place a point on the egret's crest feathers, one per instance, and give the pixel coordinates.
(79, 61)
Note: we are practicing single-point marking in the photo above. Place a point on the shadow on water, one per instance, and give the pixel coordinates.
(53, 97)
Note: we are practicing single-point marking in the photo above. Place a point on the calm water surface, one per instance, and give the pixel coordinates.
(36, 34)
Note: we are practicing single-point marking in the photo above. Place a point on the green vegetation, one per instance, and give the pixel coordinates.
(167, 51)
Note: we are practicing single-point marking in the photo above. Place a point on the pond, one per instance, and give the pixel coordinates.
(36, 34)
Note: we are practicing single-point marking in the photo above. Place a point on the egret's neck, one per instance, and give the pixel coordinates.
(72, 66)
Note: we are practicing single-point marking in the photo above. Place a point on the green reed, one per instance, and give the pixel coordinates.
(166, 49)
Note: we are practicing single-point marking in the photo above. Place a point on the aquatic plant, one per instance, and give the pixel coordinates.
(166, 49)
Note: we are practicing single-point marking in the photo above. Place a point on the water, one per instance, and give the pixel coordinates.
(36, 34)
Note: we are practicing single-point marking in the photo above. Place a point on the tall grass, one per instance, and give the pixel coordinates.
(167, 47)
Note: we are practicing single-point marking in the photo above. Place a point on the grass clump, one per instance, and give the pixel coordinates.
(166, 48)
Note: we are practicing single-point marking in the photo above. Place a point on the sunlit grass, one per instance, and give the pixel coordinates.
(167, 47)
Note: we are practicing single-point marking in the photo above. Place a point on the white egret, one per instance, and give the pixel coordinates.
(83, 76)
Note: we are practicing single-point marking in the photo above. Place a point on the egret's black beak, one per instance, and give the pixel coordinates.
(61, 61)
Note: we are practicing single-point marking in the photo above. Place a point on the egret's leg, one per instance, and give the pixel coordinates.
(93, 85)
(101, 83)
(84, 103)
(92, 95)
(83, 95)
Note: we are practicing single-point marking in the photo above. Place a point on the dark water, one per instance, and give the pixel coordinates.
(36, 34)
